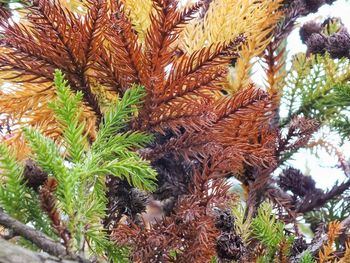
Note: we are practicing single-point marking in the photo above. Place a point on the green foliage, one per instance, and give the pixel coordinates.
(80, 169)
(48, 156)
(307, 258)
(112, 153)
(18, 200)
(12, 189)
(67, 108)
(318, 87)
(265, 228)
(268, 230)
(118, 118)
(214, 260)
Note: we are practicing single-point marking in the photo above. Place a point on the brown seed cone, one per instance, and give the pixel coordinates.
(34, 175)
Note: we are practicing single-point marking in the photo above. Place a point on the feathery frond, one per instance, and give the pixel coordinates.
(16, 198)
(226, 20)
(81, 175)
(12, 184)
(317, 87)
(266, 228)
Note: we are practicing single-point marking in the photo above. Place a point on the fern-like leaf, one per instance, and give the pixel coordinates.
(67, 109)
(12, 188)
(268, 229)
(49, 158)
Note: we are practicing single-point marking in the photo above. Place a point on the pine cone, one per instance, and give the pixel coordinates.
(224, 220)
(293, 180)
(123, 199)
(174, 177)
(34, 175)
(230, 246)
(308, 29)
(338, 44)
(316, 43)
(299, 245)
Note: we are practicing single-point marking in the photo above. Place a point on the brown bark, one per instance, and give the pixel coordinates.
(39, 239)
(10, 253)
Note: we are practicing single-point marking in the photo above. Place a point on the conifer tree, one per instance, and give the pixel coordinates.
(123, 121)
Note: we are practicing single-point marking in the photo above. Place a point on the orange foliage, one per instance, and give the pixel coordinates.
(100, 47)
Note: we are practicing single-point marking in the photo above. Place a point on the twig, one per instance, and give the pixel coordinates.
(317, 200)
(35, 236)
(38, 238)
(317, 244)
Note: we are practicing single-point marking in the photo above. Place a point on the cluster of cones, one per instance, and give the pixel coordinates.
(330, 36)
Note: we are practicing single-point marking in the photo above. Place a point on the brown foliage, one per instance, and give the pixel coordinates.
(49, 205)
(100, 49)
(189, 234)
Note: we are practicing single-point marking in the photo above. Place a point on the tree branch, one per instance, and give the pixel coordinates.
(317, 244)
(317, 199)
(38, 238)
(11, 253)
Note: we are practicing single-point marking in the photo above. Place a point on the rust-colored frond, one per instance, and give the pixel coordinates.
(219, 55)
(50, 38)
(181, 18)
(236, 132)
(49, 205)
(160, 52)
(187, 235)
(121, 62)
(242, 130)
(331, 149)
(100, 50)
(57, 28)
(326, 254)
(4, 13)
(192, 84)
(159, 49)
(274, 59)
(300, 131)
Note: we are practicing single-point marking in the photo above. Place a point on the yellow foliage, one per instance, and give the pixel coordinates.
(346, 257)
(139, 13)
(226, 19)
(326, 254)
(257, 42)
(74, 5)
